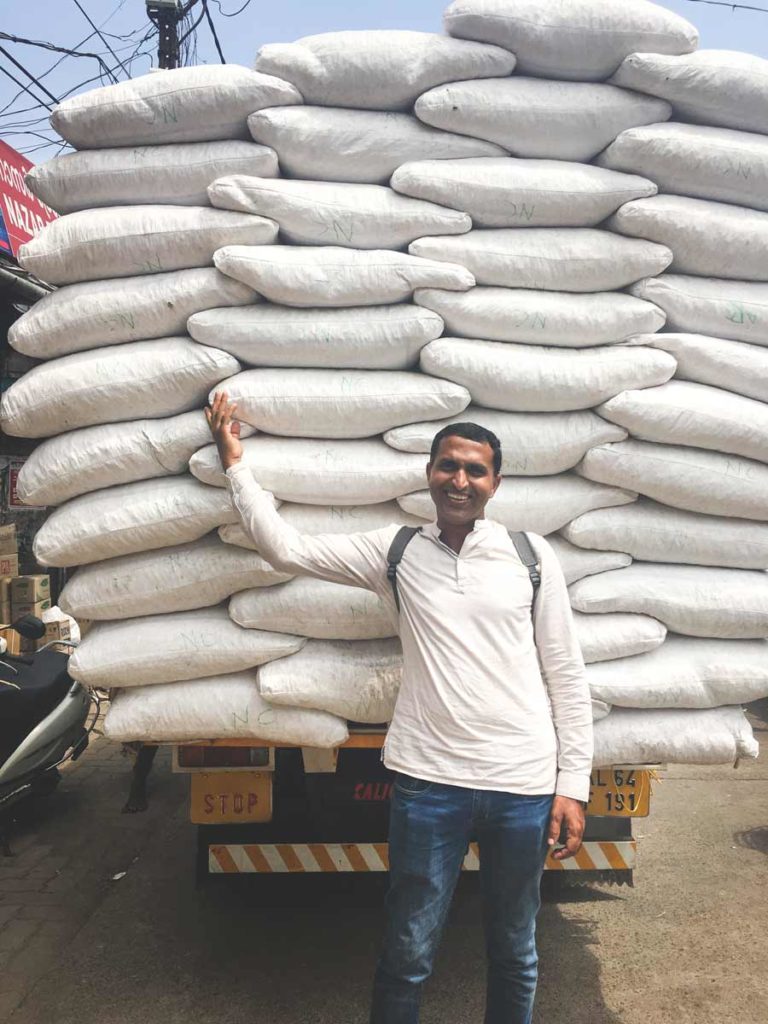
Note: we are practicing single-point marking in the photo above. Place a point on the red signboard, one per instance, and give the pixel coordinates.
(24, 215)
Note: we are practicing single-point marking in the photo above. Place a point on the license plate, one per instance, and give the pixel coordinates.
(219, 798)
(620, 793)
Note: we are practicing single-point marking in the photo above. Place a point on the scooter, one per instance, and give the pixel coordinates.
(43, 715)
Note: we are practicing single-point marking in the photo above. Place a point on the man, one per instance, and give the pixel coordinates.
(491, 737)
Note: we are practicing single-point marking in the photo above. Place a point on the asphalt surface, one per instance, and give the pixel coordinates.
(101, 923)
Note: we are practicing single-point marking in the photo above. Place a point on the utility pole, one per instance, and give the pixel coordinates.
(166, 14)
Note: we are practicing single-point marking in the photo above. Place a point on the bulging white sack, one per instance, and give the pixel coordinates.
(527, 378)
(541, 317)
(693, 160)
(724, 88)
(357, 680)
(324, 213)
(131, 517)
(192, 104)
(707, 239)
(118, 453)
(671, 736)
(361, 337)
(121, 241)
(359, 472)
(155, 378)
(165, 648)
(732, 365)
(198, 574)
(314, 519)
(555, 259)
(220, 706)
(687, 478)
(503, 192)
(685, 673)
(696, 415)
(339, 403)
(617, 635)
(541, 504)
(539, 119)
(584, 40)
(100, 313)
(706, 305)
(177, 174)
(333, 144)
(577, 563)
(314, 608)
(532, 444)
(656, 533)
(690, 599)
(331, 275)
(378, 70)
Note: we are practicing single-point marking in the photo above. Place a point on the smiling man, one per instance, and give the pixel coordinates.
(491, 737)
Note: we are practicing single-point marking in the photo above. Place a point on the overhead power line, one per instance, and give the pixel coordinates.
(29, 74)
(213, 31)
(98, 32)
(734, 7)
(26, 88)
(233, 14)
(56, 49)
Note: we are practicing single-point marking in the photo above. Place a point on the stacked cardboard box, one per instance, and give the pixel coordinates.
(30, 595)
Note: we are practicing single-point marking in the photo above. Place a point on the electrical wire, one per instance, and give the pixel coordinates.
(234, 14)
(57, 49)
(98, 32)
(13, 78)
(213, 31)
(29, 74)
(734, 7)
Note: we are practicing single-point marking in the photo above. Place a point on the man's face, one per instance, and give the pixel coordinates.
(461, 480)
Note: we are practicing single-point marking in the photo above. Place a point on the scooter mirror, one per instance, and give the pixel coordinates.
(30, 627)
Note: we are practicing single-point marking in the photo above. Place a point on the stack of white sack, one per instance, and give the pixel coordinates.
(454, 241)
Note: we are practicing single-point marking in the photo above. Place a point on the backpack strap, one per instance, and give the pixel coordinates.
(400, 542)
(529, 559)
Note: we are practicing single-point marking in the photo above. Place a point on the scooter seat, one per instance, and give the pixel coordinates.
(41, 686)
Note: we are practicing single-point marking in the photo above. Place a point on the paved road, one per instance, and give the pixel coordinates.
(78, 946)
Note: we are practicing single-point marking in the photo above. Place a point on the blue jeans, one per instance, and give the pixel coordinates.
(429, 832)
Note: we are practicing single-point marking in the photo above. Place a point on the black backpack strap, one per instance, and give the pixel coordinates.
(400, 542)
(529, 559)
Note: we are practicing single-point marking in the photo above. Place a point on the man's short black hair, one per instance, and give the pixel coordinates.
(470, 432)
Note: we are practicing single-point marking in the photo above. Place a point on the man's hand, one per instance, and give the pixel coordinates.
(225, 429)
(570, 813)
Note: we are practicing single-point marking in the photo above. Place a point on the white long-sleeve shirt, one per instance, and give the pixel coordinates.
(482, 704)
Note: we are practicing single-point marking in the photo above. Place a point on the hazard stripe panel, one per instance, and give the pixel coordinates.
(303, 858)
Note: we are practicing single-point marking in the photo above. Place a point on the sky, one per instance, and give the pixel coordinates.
(263, 21)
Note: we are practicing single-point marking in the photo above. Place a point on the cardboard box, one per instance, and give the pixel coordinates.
(19, 608)
(9, 544)
(30, 589)
(5, 611)
(12, 638)
(9, 565)
(59, 630)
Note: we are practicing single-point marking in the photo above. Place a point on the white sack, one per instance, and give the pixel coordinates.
(362, 337)
(542, 318)
(706, 305)
(581, 39)
(192, 104)
(696, 415)
(712, 736)
(687, 478)
(178, 174)
(119, 453)
(323, 213)
(527, 378)
(100, 313)
(732, 365)
(724, 88)
(333, 144)
(223, 707)
(131, 517)
(617, 635)
(175, 579)
(155, 378)
(379, 70)
(693, 160)
(502, 192)
(690, 599)
(532, 444)
(339, 403)
(656, 533)
(334, 276)
(358, 680)
(555, 259)
(359, 472)
(539, 119)
(166, 648)
(540, 504)
(577, 563)
(120, 241)
(685, 673)
(707, 239)
(314, 608)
